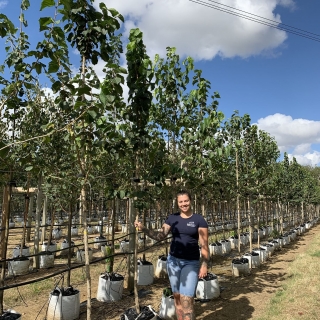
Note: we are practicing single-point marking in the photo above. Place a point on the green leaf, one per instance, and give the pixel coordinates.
(122, 194)
(110, 98)
(37, 66)
(53, 67)
(84, 90)
(29, 168)
(79, 104)
(92, 113)
(44, 21)
(56, 86)
(113, 11)
(46, 3)
(103, 98)
(25, 4)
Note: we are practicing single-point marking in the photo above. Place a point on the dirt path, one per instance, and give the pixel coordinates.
(241, 298)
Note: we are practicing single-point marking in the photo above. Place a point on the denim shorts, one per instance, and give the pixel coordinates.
(183, 275)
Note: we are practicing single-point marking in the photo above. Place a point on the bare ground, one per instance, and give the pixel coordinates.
(241, 297)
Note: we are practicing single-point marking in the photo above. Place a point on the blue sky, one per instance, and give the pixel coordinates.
(272, 75)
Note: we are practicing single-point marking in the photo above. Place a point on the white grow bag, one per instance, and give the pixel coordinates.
(145, 273)
(110, 287)
(18, 266)
(81, 255)
(161, 267)
(167, 308)
(17, 250)
(46, 259)
(208, 287)
(62, 306)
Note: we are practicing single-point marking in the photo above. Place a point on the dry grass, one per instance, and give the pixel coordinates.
(299, 296)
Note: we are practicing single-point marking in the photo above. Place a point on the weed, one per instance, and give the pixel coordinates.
(315, 254)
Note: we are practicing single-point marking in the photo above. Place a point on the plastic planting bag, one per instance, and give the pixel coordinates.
(208, 288)
(112, 276)
(163, 257)
(144, 262)
(64, 304)
(110, 287)
(209, 277)
(161, 267)
(10, 315)
(167, 308)
(146, 313)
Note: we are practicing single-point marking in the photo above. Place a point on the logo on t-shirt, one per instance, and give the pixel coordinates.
(191, 224)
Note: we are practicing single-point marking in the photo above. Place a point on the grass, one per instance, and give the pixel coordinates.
(299, 296)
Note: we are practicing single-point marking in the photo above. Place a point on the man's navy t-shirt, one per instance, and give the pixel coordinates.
(185, 235)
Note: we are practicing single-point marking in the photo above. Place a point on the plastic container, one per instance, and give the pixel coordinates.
(161, 267)
(240, 267)
(64, 304)
(46, 259)
(145, 273)
(208, 287)
(16, 252)
(80, 256)
(18, 266)
(110, 287)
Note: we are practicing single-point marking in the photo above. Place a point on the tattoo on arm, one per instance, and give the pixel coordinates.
(204, 261)
(157, 235)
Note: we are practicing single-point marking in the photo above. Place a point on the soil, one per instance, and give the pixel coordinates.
(242, 297)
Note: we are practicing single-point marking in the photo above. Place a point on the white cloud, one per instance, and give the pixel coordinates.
(288, 3)
(302, 148)
(202, 32)
(3, 4)
(308, 159)
(297, 136)
(49, 93)
(289, 132)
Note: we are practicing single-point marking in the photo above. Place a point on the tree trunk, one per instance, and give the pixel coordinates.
(44, 218)
(4, 238)
(37, 223)
(132, 244)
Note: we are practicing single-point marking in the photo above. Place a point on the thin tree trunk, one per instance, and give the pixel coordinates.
(69, 242)
(4, 238)
(37, 223)
(25, 216)
(136, 296)
(86, 252)
(132, 244)
(44, 218)
(238, 202)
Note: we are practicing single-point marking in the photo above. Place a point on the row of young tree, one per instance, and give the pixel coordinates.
(169, 128)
